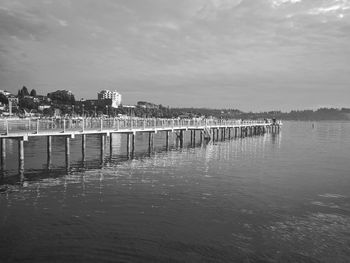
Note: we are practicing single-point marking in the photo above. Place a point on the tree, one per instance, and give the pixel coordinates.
(48, 112)
(62, 97)
(28, 103)
(3, 99)
(25, 91)
(33, 93)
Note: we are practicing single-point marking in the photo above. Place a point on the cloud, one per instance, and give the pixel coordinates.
(139, 47)
(21, 24)
(333, 8)
(63, 23)
(278, 3)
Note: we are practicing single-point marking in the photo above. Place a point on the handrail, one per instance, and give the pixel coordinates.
(101, 124)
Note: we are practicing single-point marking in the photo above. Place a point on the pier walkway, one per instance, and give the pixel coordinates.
(208, 129)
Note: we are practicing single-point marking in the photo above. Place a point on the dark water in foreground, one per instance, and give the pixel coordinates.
(274, 198)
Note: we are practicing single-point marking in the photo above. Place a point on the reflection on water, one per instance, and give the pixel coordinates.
(40, 163)
(256, 199)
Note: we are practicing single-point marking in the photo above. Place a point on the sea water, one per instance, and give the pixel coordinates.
(277, 197)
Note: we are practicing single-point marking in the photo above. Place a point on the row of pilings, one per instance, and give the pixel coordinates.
(213, 134)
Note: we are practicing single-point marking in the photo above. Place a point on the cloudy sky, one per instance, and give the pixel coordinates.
(246, 54)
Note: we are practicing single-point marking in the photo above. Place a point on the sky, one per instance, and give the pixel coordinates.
(252, 55)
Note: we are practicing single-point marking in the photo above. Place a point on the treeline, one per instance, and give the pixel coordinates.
(147, 110)
(303, 115)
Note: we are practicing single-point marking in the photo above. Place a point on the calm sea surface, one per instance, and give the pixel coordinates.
(272, 198)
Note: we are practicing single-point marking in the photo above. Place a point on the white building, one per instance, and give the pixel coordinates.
(6, 93)
(111, 95)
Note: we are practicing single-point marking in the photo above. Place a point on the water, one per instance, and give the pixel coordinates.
(273, 198)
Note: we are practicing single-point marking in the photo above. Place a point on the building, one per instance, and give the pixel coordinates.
(6, 93)
(13, 102)
(110, 95)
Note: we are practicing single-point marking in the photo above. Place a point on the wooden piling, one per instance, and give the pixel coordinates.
(111, 144)
(181, 138)
(67, 153)
(21, 156)
(132, 144)
(167, 140)
(49, 151)
(83, 147)
(150, 141)
(3, 153)
(194, 137)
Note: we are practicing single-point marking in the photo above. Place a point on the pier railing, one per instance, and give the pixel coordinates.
(36, 126)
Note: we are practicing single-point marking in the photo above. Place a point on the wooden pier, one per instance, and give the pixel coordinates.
(207, 129)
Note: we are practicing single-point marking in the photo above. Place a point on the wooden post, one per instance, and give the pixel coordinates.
(132, 144)
(49, 151)
(67, 148)
(194, 137)
(127, 144)
(111, 144)
(167, 140)
(7, 126)
(21, 156)
(102, 148)
(217, 134)
(3, 153)
(181, 138)
(150, 141)
(83, 147)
